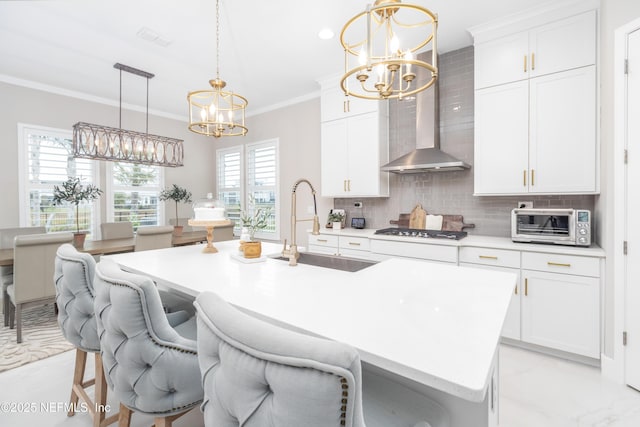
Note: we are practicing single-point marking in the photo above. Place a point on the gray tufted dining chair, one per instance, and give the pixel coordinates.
(150, 363)
(258, 374)
(75, 294)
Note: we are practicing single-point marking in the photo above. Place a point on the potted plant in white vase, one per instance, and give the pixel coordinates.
(178, 195)
(73, 192)
(335, 219)
(258, 219)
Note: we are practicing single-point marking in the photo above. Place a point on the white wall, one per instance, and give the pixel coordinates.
(23, 105)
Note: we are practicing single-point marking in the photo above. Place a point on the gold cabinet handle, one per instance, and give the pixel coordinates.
(344, 185)
(533, 177)
(526, 287)
(524, 178)
(558, 264)
(323, 240)
(487, 257)
(516, 291)
(348, 185)
(354, 243)
(525, 64)
(533, 61)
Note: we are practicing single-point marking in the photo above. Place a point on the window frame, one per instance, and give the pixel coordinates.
(111, 189)
(276, 188)
(244, 190)
(232, 150)
(23, 173)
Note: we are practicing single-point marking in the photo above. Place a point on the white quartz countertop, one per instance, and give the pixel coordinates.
(438, 325)
(476, 241)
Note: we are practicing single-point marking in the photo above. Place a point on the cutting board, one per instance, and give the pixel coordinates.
(418, 217)
(454, 223)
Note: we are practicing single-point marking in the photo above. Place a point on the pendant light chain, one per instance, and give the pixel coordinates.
(218, 39)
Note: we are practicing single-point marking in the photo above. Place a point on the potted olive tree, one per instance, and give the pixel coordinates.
(179, 195)
(73, 192)
(252, 222)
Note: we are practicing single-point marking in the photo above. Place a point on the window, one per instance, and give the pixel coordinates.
(231, 182)
(133, 194)
(262, 181)
(247, 173)
(46, 159)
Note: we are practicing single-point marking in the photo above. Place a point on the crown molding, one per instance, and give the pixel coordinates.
(86, 97)
(538, 15)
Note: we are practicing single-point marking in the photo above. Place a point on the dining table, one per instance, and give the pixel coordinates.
(113, 246)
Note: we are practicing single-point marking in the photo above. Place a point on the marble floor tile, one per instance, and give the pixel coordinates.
(535, 391)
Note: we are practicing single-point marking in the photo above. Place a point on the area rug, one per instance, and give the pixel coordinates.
(41, 338)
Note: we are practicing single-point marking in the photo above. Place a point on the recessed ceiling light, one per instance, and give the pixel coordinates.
(326, 34)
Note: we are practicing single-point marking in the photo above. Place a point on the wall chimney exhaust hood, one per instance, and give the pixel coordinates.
(427, 157)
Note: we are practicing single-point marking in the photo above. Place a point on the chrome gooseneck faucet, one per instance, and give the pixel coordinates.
(292, 252)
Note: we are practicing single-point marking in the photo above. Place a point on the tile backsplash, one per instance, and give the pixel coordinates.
(447, 192)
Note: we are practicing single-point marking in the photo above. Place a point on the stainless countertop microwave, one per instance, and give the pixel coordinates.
(554, 226)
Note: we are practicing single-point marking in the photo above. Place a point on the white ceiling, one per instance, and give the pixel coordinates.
(270, 52)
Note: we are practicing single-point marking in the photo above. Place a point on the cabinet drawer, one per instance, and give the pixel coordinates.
(323, 240)
(495, 257)
(424, 251)
(354, 243)
(564, 264)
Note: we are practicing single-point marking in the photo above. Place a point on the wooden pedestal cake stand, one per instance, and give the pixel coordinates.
(209, 225)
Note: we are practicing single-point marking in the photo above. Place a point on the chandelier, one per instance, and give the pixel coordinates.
(382, 43)
(216, 112)
(99, 142)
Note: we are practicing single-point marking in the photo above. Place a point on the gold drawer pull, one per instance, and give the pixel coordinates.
(323, 240)
(524, 178)
(516, 290)
(533, 177)
(354, 244)
(557, 264)
(487, 257)
(526, 287)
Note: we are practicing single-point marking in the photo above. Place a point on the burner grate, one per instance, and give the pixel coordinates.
(414, 232)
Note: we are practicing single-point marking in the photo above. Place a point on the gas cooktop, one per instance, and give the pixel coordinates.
(431, 234)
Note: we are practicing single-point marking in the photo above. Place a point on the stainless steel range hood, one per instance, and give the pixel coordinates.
(427, 157)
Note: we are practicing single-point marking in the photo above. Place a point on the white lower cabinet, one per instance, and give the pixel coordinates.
(561, 311)
(349, 246)
(556, 302)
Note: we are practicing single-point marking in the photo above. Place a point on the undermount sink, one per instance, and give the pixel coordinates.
(329, 261)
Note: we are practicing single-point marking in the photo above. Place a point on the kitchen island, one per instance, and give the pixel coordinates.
(431, 329)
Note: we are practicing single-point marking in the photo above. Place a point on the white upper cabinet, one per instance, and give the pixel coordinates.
(561, 45)
(501, 159)
(536, 109)
(562, 138)
(354, 144)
